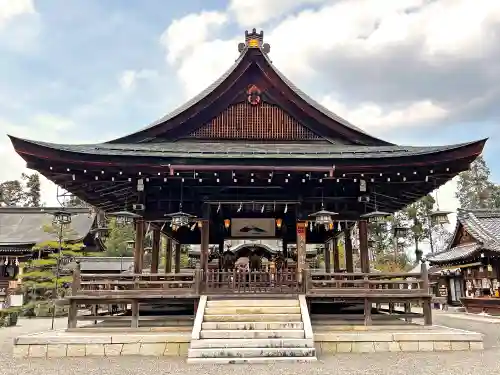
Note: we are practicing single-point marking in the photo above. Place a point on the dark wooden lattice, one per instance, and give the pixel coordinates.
(260, 122)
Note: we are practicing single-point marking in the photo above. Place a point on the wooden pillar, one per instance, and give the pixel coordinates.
(336, 255)
(177, 257)
(349, 263)
(155, 252)
(139, 245)
(363, 246)
(328, 265)
(426, 307)
(168, 255)
(301, 248)
(205, 239)
(221, 251)
(284, 244)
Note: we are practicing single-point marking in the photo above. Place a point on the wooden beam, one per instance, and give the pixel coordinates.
(177, 257)
(205, 239)
(336, 254)
(168, 255)
(155, 252)
(139, 245)
(349, 262)
(363, 246)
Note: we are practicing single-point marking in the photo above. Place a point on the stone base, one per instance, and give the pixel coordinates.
(328, 340)
(84, 344)
(403, 339)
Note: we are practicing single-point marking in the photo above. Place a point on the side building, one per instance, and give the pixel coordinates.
(470, 267)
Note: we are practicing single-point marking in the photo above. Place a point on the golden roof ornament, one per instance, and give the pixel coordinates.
(254, 40)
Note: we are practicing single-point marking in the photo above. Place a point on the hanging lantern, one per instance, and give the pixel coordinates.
(200, 224)
(61, 217)
(180, 219)
(227, 223)
(330, 226)
(439, 217)
(399, 231)
(322, 217)
(124, 217)
(376, 217)
(279, 223)
(174, 228)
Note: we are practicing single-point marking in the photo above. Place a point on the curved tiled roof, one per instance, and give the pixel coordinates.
(210, 89)
(247, 150)
(24, 225)
(483, 225)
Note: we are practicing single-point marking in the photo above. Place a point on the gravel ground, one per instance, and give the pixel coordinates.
(456, 363)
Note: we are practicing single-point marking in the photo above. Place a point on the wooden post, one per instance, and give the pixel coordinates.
(205, 239)
(168, 255)
(363, 246)
(349, 263)
(155, 253)
(177, 257)
(328, 265)
(301, 249)
(368, 312)
(336, 255)
(197, 282)
(427, 310)
(75, 288)
(284, 244)
(139, 245)
(76, 283)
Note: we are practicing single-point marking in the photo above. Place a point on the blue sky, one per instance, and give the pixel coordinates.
(91, 70)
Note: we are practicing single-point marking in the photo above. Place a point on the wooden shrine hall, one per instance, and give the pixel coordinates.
(251, 157)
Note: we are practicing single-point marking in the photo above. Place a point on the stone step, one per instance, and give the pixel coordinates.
(256, 360)
(251, 352)
(237, 310)
(252, 343)
(252, 334)
(253, 302)
(252, 325)
(253, 318)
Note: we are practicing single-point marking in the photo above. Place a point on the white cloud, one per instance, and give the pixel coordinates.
(128, 79)
(186, 34)
(10, 9)
(371, 115)
(257, 12)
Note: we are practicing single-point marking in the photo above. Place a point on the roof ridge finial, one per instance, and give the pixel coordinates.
(254, 39)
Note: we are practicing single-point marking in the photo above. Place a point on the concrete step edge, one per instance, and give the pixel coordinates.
(256, 360)
(252, 343)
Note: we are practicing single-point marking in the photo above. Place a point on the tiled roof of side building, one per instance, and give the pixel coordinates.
(483, 225)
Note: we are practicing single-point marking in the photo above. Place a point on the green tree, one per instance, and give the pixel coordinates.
(39, 277)
(11, 193)
(418, 215)
(118, 236)
(32, 195)
(474, 188)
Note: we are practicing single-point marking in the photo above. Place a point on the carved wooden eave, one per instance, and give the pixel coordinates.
(253, 68)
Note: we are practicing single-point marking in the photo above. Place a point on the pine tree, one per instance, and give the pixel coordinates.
(419, 216)
(11, 193)
(32, 196)
(475, 190)
(118, 236)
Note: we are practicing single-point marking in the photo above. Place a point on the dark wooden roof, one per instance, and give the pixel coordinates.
(252, 65)
(484, 227)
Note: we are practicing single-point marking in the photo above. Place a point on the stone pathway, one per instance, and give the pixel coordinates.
(456, 363)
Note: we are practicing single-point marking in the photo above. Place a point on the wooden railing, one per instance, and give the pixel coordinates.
(322, 284)
(124, 286)
(245, 282)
